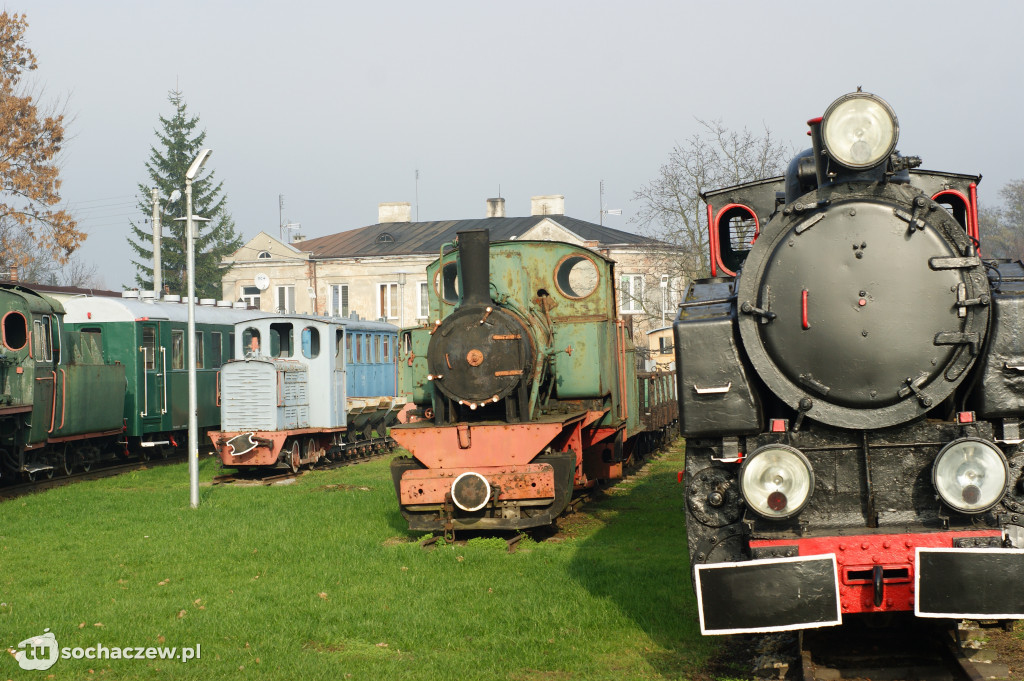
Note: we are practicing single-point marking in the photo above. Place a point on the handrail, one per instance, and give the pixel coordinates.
(53, 407)
(163, 355)
(63, 395)
(145, 384)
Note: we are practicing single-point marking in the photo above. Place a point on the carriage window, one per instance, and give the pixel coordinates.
(373, 350)
(250, 339)
(216, 348)
(339, 345)
(282, 333)
(310, 342)
(93, 337)
(385, 349)
(741, 233)
(199, 349)
(177, 349)
(15, 330)
(231, 346)
(43, 347)
(359, 348)
(349, 357)
(149, 347)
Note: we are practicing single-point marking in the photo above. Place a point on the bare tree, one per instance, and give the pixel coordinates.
(671, 210)
(1002, 228)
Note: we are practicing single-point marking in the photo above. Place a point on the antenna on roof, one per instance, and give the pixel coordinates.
(605, 211)
(417, 195)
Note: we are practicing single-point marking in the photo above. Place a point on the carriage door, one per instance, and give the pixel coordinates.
(153, 356)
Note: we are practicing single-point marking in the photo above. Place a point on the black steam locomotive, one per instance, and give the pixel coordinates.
(851, 385)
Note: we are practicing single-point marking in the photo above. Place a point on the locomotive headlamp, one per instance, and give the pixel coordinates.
(776, 481)
(859, 130)
(970, 475)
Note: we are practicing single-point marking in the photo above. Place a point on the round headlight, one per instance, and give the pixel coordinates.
(859, 130)
(776, 481)
(970, 475)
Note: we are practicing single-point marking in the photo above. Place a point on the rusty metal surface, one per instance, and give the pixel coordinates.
(532, 481)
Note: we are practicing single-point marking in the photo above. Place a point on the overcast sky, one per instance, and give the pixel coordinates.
(335, 105)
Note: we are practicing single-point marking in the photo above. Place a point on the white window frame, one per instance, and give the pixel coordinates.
(341, 292)
(284, 298)
(251, 299)
(423, 300)
(631, 293)
(388, 296)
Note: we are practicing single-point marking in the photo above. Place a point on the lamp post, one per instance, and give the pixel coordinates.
(190, 240)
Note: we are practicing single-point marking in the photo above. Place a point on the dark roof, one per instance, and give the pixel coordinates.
(411, 238)
(70, 290)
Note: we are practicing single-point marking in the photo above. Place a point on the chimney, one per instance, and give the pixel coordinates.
(475, 266)
(552, 204)
(495, 208)
(399, 211)
(298, 237)
(13, 274)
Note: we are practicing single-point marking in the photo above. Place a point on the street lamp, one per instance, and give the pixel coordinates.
(190, 240)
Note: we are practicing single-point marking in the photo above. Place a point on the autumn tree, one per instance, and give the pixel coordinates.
(1002, 227)
(671, 210)
(31, 226)
(179, 142)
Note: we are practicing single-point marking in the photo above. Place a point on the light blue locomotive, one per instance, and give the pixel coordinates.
(306, 388)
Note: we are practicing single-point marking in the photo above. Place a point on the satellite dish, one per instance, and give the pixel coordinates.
(262, 281)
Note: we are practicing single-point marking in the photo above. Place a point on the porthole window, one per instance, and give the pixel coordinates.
(15, 330)
(263, 255)
(577, 276)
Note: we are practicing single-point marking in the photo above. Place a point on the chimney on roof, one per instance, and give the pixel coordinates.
(552, 204)
(495, 208)
(398, 211)
(298, 237)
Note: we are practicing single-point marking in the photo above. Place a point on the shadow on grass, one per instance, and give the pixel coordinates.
(637, 558)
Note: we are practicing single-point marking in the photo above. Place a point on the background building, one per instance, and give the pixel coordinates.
(379, 271)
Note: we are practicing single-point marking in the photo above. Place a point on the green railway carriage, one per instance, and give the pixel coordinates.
(51, 377)
(149, 338)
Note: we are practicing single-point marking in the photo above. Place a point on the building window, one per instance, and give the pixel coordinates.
(385, 238)
(388, 301)
(339, 300)
(177, 349)
(285, 299)
(263, 255)
(250, 296)
(424, 298)
(631, 293)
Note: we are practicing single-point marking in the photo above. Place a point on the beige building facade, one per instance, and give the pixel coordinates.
(379, 271)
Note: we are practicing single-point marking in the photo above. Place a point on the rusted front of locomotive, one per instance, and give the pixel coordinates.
(841, 444)
(518, 376)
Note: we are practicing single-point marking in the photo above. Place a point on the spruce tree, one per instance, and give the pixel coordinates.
(179, 142)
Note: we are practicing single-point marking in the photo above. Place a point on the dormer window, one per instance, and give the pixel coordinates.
(385, 238)
(263, 255)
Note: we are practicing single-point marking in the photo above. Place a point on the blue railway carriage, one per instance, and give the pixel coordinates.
(306, 388)
(147, 336)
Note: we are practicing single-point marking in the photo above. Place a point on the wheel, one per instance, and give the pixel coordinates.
(69, 461)
(294, 457)
(312, 453)
(165, 451)
(49, 473)
(143, 453)
(88, 458)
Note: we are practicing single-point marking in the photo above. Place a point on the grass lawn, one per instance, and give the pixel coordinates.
(321, 579)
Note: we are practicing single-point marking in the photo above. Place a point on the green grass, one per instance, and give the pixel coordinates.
(321, 579)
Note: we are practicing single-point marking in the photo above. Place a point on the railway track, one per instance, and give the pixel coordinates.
(907, 650)
(15, 490)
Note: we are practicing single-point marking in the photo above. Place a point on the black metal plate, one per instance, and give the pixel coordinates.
(775, 594)
(970, 583)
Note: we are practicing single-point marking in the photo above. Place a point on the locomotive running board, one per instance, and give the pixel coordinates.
(771, 594)
(969, 583)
